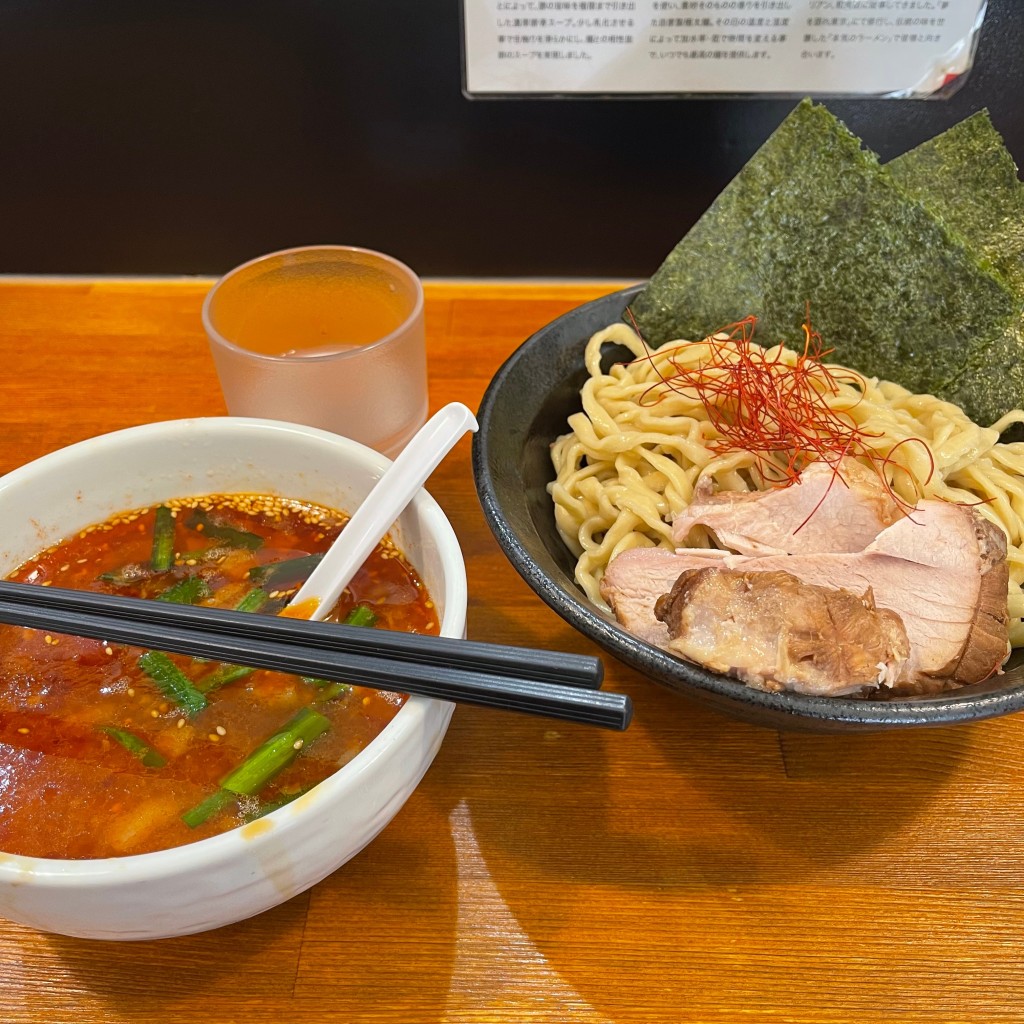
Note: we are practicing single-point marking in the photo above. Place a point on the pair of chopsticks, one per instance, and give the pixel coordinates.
(548, 683)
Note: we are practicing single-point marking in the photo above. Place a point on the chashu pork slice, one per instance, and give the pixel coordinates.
(943, 571)
(775, 633)
(828, 509)
(635, 579)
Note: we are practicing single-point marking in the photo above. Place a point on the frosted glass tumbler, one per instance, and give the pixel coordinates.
(331, 336)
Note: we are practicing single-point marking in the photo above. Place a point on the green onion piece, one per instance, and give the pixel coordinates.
(186, 591)
(275, 753)
(134, 572)
(253, 601)
(134, 745)
(361, 615)
(281, 801)
(171, 681)
(204, 554)
(320, 683)
(207, 808)
(222, 676)
(286, 573)
(212, 527)
(163, 540)
(328, 690)
(327, 687)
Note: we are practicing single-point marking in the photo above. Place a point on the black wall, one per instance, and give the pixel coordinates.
(190, 135)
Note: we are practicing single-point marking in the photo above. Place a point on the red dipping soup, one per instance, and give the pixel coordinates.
(108, 750)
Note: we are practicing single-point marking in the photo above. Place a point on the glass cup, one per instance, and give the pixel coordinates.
(330, 336)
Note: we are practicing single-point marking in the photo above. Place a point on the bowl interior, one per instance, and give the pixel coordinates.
(53, 497)
(524, 409)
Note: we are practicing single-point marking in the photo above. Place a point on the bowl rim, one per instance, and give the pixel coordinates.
(948, 708)
(225, 846)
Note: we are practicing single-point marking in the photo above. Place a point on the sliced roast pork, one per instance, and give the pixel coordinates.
(827, 510)
(774, 632)
(943, 571)
(635, 579)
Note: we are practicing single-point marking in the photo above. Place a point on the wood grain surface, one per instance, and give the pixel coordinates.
(692, 869)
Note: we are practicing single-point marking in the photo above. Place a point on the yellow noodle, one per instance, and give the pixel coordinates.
(627, 468)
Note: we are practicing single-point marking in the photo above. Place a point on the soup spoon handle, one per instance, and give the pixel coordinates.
(379, 510)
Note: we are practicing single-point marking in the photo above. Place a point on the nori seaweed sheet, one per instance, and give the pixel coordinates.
(813, 217)
(967, 178)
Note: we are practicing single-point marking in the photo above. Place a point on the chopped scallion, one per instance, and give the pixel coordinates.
(213, 527)
(126, 575)
(253, 601)
(329, 690)
(162, 557)
(275, 753)
(186, 591)
(210, 554)
(319, 683)
(134, 745)
(361, 615)
(275, 575)
(171, 681)
(206, 809)
(222, 675)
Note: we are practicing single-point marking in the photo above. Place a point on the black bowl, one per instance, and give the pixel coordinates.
(524, 409)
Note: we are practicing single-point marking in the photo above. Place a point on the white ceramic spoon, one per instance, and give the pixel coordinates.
(379, 510)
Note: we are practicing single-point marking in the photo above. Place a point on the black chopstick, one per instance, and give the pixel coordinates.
(306, 648)
(522, 662)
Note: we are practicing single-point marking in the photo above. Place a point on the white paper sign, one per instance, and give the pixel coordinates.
(831, 47)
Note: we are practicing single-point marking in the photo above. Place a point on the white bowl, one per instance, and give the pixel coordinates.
(240, 873)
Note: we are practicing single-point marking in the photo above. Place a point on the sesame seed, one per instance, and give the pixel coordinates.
(221, 731)
(213, 738)
(23, 731)
(181, 723)
(297, 745)
(154, 713)
(131, 691)
(109, 650)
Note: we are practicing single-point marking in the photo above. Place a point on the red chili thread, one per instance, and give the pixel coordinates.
(778, 413)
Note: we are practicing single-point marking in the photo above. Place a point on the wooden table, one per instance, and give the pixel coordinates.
(692, 869)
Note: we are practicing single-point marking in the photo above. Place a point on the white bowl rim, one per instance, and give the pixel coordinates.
(103, 871)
